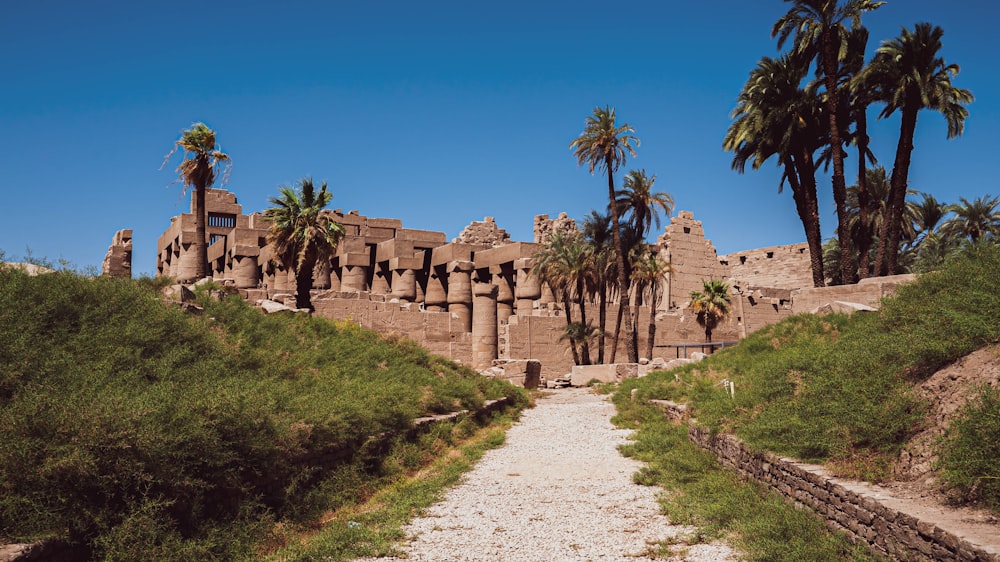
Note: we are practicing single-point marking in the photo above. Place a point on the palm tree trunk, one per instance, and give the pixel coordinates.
(602, 320)
(585, 344)
(802, 179)
(900, 173)
(200, 234)
(303, 281)
(618, 328)
(651, 331)
(864, 239)
(623, 274)
(569, 322)
(847, 274)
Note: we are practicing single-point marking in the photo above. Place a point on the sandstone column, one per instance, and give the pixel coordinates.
(435, 299)
(460, 292)
(404, 285)
(527, 289)
(355, 278)
(246, 272)
(505, 295)
(484, 325)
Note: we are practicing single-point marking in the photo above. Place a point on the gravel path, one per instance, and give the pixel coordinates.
(558, 490)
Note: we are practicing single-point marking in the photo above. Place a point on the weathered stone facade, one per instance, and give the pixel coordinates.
(474, 300)
(118, 260)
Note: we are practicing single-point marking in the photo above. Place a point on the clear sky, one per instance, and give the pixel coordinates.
(437, 113)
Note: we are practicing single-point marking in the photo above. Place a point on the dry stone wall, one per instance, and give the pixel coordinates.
(851, 507)
(779, 267)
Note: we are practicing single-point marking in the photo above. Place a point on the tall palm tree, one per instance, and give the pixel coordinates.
(711, 305)
(975, 220)
(563, 263)
(909, 75)
(776, 117)
(200, 166)
(302, 233)
(603, 144)
(648, 271)
(858, 99)
(596, 230)
(642, 205)
(820, 30)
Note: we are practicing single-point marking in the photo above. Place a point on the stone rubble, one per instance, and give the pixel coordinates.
(557, 490)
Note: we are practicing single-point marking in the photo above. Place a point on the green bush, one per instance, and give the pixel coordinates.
(123, 417)
(833, 388)
(969, 457)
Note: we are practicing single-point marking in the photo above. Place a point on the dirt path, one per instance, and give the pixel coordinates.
(557, 490)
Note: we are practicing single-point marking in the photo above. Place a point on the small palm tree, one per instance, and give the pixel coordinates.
(711, 305)
(302, 233)
(596, 229)
(199, 168)
(563, 263)
(603, 144)
(648, 271)
(975, 220)
(638, 200)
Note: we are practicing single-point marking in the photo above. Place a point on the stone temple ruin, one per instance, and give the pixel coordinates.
(475, 299)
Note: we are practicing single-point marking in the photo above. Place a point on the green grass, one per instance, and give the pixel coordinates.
(839, 390)
(374, 528)
(127, 423)
(700, 492)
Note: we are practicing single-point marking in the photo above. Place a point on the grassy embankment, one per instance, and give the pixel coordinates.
(829, 389)
(143, 432)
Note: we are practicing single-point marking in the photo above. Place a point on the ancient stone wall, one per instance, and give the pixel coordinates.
(692, 259)
(118, 260)
(868, 292)
(779, 267)
(544, 226)
(485, 233)
(851, 507)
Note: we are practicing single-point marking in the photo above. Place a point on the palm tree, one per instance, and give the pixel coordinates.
(976, 220)
(563, 263)
(927, 215)
(908, 75)
(640, 203)
(603, 144)
(596, 230)
(711, 305)
(200, 166)
(302, 233)
(648, 271)
(858, 99)
(775, 117)
(821, 32)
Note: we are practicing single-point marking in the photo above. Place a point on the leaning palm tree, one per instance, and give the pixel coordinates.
(200, 166)
(776, 117)
(603, 144)
(975, 220)
(711, 305)
(640, 203)
(302, 233)
(648, 271)
(821, 30)
(908, 75)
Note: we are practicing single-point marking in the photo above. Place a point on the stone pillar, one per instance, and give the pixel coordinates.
(527, 289)
(484, 325)
(321, 275)
(186, 260)
(504, 277)
(281, 279)
(246, 272)
(354, 278)
(460, 292)
(404, 285)
(380, 281)
(435, 299)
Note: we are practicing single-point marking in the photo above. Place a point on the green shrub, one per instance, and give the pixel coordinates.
(969, 457)
(121, 416)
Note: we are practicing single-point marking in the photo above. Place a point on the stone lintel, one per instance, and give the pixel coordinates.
(505, 254)
(354, 259)
(524, 263)
(393, 248)
(422, 238)
(447, 253)
(406, 263)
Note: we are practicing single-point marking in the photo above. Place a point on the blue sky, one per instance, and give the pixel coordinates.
(437, 113)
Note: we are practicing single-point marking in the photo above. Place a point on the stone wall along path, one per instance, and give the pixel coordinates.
(558, 490)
